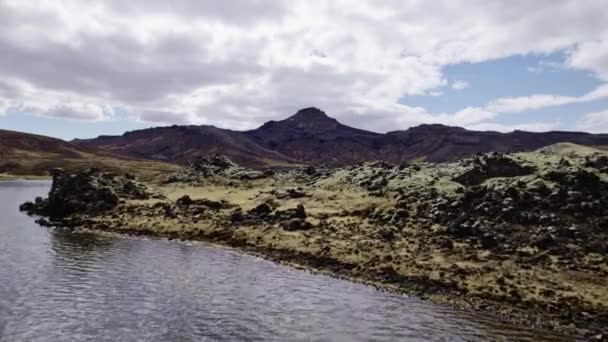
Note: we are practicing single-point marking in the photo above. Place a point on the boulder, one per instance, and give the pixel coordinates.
(291, 193)
(297, 224)
(184, 201)
(261, 210)
(598, 162)
(310, 170)
(298, 212)
(474, 176)
(237, 216)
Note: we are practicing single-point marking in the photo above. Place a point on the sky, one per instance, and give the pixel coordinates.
(79, 69)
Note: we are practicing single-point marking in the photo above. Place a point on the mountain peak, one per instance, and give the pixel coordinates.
(310, 119)
(310, 114)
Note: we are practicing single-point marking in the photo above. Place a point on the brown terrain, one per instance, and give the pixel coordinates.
(23, 154)
(311, 137)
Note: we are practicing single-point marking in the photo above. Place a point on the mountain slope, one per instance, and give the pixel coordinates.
(30, 154)
(437, 143)
(312, 137)
(182, 144)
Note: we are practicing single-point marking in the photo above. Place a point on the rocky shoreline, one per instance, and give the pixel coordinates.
(523, 236)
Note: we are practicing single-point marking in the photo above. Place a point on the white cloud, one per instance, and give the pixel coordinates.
(596, 122)
(523, 103)
(163, 117)
(239, 63)
(460, 85)
(4, 105)
(59, 104)
(591, 55)
(67, 110)
(531, 127)
(538, 101)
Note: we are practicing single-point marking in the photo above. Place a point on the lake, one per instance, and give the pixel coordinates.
(56, 285)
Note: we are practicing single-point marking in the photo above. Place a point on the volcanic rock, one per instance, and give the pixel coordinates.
(89, 191)
(297, 224)
(205, 167)
(490, 166)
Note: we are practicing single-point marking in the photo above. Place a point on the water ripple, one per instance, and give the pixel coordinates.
(62, 286)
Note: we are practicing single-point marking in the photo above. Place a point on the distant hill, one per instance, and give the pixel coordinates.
(182, 144)
(312, 137)
(437, 143)
(30, 154)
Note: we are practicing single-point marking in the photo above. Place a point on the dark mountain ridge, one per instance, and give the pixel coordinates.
(182, 144)
(312, 137)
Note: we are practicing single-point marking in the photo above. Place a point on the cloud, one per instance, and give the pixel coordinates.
(538, 101)
(460, 85)
(596, 122)
(55, 104)
(67, 110)
(163, 117)
(531, 127)
(4, 106)
(532, 102)
(238, 63)
(591, 55)
(236, 12)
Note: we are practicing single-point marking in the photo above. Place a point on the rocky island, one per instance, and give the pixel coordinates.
(522, 235)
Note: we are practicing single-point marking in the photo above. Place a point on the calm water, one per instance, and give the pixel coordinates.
(61, 286)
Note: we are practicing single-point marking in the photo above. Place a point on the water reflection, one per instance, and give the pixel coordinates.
(60, 286)
(71, 244)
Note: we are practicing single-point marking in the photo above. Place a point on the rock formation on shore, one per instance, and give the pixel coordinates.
(87, 192)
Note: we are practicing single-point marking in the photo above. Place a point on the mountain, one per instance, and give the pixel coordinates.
(182, 144)
(312, 137)
(438, 143)
(30, 154)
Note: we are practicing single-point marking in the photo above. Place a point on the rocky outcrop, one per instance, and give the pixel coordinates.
(563, 212)
(599, 162)
(90, 191)
(217, 165)
(490, 166)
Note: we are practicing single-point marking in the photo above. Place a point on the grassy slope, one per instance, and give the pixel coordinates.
(23, 154)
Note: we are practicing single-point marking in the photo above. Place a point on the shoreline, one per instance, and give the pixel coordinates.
(434, 292)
